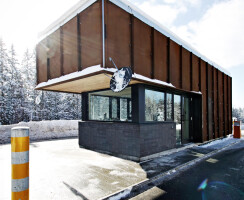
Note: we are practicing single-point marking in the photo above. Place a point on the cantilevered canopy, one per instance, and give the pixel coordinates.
(91, 79)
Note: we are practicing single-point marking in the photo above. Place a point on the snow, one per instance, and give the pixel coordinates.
(132, 9)
(138, 76)
(43, 130)
(216, 142)
(121, 195)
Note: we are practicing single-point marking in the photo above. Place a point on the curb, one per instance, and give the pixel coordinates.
(136, 189)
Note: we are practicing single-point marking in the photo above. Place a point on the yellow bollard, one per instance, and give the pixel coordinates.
(20, 163)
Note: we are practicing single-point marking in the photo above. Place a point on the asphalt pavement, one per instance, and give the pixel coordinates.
(221, 177)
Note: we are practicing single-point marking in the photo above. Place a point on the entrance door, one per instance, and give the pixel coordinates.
(185, 120)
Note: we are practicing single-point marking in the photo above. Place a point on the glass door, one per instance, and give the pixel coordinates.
(185, 120)
(177, 118)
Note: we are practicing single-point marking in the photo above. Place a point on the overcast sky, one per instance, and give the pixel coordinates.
(214, 27)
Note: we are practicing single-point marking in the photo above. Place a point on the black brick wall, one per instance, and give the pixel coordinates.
(128, 140)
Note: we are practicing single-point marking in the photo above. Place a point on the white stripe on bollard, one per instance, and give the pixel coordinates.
(20, 157)
(20, 132)
(19, 185)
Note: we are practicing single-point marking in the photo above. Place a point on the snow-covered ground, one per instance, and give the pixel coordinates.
(43, 130)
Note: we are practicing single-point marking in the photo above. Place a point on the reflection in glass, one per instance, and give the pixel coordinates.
(99, 108)
(177, 117)
(114, 108)
(154, 105)
(109, 106)
(123, 109)
(169, 106)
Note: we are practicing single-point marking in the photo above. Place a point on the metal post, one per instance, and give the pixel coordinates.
(20, 163)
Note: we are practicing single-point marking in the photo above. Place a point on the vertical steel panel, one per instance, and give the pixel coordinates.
(210, 102)
(118, 36)
(216, 122)
(70, 46)
(226, 103)
(152, 53)
(61, 51)
(42, 61)
(168, 60)
(54, 54)
(224, 110)
(160, 56)
(175, 64)
(79, 42)
(220, 102)
(142, 48)
(91, 35)
(186, 66)
(195, 73)
(230, 104)
(204, 99)
(132, 42)
(181, 66)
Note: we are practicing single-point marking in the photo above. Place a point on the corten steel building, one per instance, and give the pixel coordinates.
(176, 95)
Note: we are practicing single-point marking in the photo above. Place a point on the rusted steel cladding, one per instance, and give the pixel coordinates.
(216, 128)
(54, 54)
(70, 53)
(118, 36)
(221, 112)
(195, 73)
(226, 104)
(204, 99)
(175, 75)
(186, 64)
(160, 56)
(230, 103)
(210, 102)
(142, 48)
(41, 53)
(91, 35)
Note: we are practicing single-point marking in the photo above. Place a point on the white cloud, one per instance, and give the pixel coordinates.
(219, 33)
(164, 13)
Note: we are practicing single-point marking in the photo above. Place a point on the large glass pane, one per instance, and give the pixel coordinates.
(114, 109)
(123, 110)
(154, 109)
(169, 98)
(99, 108)
(103, 105)
(177, 117)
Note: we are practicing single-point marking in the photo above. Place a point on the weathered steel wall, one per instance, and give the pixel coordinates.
(54, 55)
(204, 100)
(91, 36)
(186, 64)
(41, 64)
(118, 41)
(160, 56)
(74, 46)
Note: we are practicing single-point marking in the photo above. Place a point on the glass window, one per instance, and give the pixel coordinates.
(123, 109)
(154, 105)
(169, 98)
(99, 108)
(109, 106)
(114, 108)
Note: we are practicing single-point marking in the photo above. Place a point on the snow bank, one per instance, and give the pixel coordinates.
(43, 130)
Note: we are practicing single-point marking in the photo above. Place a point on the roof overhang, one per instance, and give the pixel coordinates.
(92, 79)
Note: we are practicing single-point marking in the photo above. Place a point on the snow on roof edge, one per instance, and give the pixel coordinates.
(132, 9)
(94, 69)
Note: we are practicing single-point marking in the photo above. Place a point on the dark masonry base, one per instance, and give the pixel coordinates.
(127, 140)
